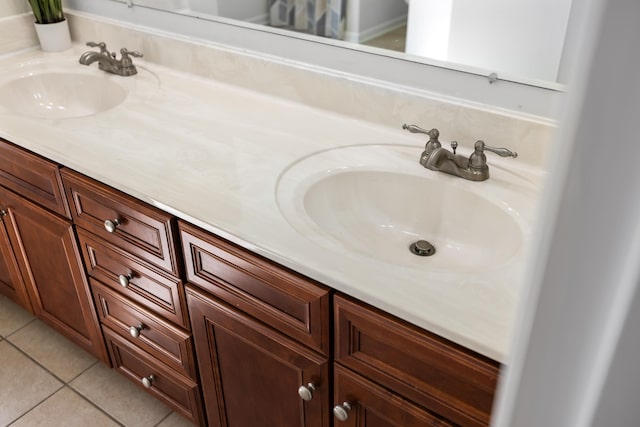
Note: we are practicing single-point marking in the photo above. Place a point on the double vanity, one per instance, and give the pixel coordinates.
(247, 257)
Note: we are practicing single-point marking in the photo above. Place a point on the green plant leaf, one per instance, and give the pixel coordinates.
(47, 11)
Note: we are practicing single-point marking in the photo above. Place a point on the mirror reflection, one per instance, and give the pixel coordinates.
(513, 38)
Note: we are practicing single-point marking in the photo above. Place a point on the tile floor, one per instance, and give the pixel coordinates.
(45, 380)
(393, 40)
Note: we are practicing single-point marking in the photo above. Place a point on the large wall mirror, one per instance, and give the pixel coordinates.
(519, 40)
(450, 48)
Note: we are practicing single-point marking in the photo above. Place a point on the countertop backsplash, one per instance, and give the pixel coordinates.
(382, 103)
(17, 33)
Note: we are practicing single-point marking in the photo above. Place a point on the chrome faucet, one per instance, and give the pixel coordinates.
(107, 61)
(438, 158)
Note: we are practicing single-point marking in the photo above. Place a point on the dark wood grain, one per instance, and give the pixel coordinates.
(171, 345)
(11, 283)
(179, 392)
(33, 177)
(250, 373)
(145, 231)
(375, 406)
(50, 265)
(149, 285)
(281, 298)
(435, 373)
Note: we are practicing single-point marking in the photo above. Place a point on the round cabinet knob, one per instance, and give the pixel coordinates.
(135, 330)
(341, 412)
(125, 280)
(111, 224)
(3, 213)
(147, 382)
(306, 391)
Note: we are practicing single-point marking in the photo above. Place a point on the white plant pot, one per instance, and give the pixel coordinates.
(54, 37)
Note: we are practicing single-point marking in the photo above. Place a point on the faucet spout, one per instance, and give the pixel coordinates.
(443, 160)
(90, 57)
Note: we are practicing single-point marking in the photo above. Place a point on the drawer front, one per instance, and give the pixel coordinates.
(145, 284)
(140, 229)
(441, 376)
(165, 342)
(179, 392)
(372, 405)
(33, 177)
(286, 301)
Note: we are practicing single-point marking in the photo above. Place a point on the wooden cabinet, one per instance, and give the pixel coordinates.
(47, 256)
(134, 264)
(260, 344)
(261, 333)
(11, 283)
(251, 374)
(364, 403)
(432, 373)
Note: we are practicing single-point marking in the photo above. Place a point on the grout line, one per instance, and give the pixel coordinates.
(36, 405)
(162, 420)
(44, 367)
(85, 370)
(20, 328)
(94, 405)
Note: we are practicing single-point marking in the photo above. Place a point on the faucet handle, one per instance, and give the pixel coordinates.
(418, 129)
(502, 152)
(126, 53)
(101, 45)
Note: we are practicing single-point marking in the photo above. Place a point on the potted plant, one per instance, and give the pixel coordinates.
(51, 26)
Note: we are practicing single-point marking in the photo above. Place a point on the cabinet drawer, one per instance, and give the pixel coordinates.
(439, 375)
(140, 229)
(33, 177)
(179, 392)
(284, 300)
(372, 405)
(146, 284)
(165, 342)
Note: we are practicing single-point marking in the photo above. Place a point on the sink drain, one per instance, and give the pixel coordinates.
(422, 248)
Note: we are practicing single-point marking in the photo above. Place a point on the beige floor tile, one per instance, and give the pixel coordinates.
(120, 398)
(12, 316)
(175, 420)
(53, 351)
(23, 384)
(65, 409)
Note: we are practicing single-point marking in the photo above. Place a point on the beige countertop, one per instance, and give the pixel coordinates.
(215, 154)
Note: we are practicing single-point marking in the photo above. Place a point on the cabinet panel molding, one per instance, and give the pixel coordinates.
(250, 372)
(283, 299)
(51, 267)
(33, 177)
(429, 370)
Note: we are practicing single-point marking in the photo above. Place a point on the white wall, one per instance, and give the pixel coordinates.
(12, 7)
(575, 361)
(245, 10)
(367, 19)
(520, 38)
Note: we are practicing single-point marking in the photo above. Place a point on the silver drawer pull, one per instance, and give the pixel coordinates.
(111, 224)
(134, 331)
(306, 391)
(147, 382)
(125, 280)
(341, 412)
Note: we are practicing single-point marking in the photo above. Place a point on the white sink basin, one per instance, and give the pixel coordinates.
(57, 95)
(376, 201)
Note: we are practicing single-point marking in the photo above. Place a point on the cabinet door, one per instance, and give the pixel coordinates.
(11, 284)
(49, 263)
(363, 403)
(250, 374)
